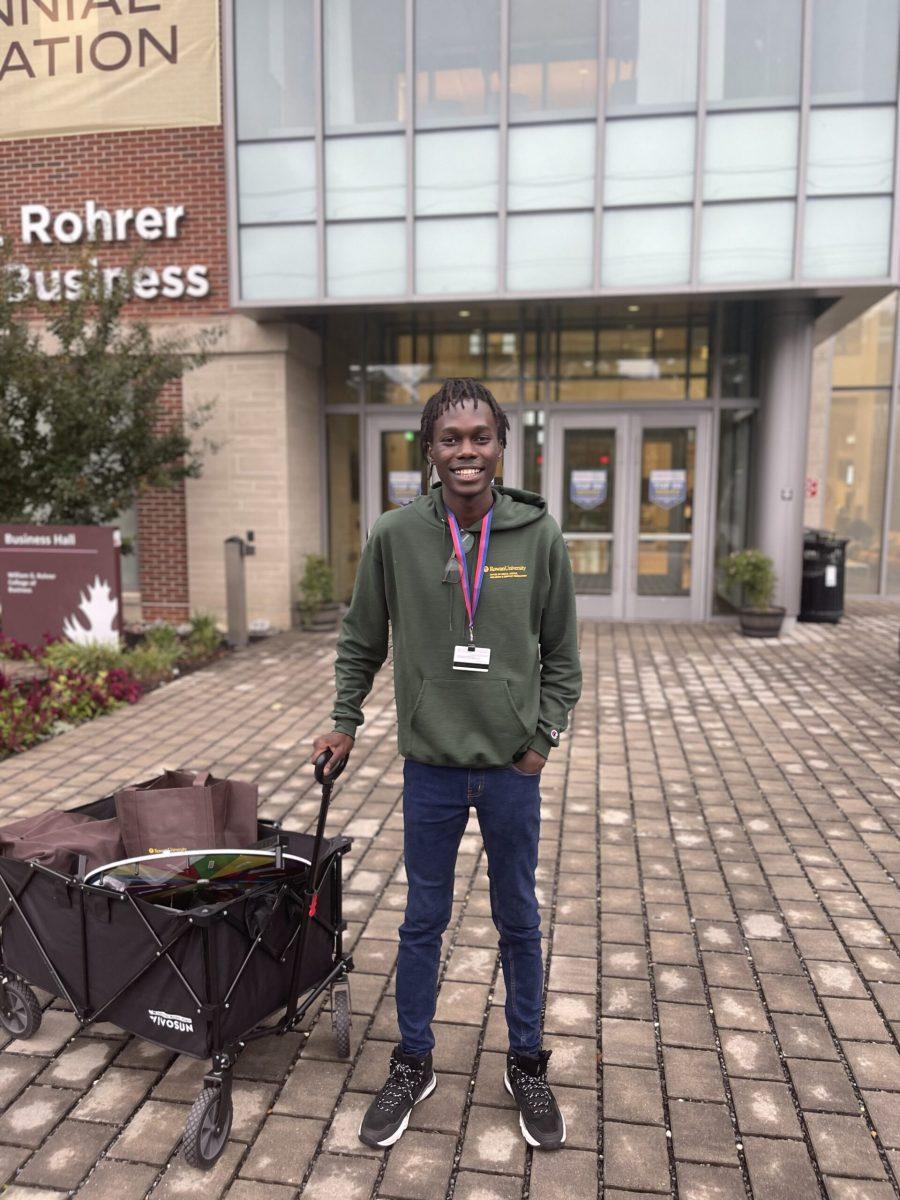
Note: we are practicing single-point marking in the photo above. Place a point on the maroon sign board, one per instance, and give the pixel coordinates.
(61, 580)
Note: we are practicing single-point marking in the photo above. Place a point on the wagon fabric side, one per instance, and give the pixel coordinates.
(188, 981)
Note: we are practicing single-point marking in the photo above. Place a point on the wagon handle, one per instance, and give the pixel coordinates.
(321, 762)
(310, 893)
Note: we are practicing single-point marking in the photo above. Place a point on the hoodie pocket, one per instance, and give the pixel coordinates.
(465, 722)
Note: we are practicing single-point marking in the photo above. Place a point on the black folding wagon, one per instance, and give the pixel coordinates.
(203, 981)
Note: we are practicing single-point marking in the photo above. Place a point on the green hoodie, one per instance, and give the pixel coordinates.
(526, 616)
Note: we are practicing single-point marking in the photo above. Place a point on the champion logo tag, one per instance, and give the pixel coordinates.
(171, 1020)
(554, 733)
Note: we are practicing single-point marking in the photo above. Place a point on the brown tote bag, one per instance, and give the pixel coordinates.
(182, 811)
(56, 839)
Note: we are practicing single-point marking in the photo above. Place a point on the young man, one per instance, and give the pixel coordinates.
(476, 585)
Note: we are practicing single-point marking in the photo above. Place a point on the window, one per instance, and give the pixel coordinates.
(552, 166)
(738, 358)
(274, 68)
(365, 63)
(553, 57)
(343, 500)
(632, 361)
(365, 176)
(747, 241)
(456, 255)
(277, 182)
(750, 155)
(850, 150)
(457, 171)
(754, 52)
(366, 258)
(864, 349)
(893, 546)
(457, 61)
(847, 239)
(854, 53)
(645, 246)
(649, 160)
(550, 250)
(854, 489)
(733, 497)
(278, 262)
(651, 55)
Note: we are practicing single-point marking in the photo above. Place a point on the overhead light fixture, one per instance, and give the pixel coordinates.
(634, 308)
(464, 312)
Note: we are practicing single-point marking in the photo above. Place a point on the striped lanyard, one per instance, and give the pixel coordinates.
(471, 594)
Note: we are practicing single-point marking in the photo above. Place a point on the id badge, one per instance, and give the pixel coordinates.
(471, 658)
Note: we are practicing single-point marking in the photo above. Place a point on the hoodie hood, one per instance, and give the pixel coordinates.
(513, 508)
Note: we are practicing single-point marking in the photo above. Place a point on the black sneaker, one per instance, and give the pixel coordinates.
(540, 1120)
(411, 1080)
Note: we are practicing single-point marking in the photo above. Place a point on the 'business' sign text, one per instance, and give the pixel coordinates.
(42, 226)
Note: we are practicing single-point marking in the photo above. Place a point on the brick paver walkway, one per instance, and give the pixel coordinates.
(727, 1028)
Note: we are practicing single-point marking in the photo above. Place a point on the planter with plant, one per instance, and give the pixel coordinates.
(754, 573)
(317, 607)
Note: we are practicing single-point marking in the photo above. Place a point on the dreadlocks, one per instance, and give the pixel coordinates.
(452, 394)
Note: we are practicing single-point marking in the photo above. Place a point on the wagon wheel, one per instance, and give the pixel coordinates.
(340, 1017)
(207, 1129)
(20, 1010)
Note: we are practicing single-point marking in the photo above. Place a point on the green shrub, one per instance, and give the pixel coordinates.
(316, 586)
(204, 640)
(151, 664)
(754, 572)
(162, 637)
(90, 659)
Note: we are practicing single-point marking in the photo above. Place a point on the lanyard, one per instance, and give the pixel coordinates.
(470, 597)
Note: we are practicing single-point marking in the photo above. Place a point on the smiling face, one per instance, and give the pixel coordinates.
(465, 450)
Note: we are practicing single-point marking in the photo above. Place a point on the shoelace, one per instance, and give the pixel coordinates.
(536, 1089)
(402, 1079)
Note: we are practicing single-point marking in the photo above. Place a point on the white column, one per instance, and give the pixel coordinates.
(785, 380)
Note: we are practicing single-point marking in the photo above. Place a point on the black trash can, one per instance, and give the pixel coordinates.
(822, 593)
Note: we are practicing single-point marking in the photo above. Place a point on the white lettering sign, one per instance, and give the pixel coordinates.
(171, 1020)
(41, 226)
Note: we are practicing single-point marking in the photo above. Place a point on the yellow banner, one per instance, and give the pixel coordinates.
(86, 66)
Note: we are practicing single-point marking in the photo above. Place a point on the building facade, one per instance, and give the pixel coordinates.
(664, 232)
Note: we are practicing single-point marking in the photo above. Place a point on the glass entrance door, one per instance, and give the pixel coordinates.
(395, 467)
(668, 460)
(587, 481)
(631, 493)
(393, 464)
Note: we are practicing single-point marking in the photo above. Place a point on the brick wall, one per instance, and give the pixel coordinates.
(162, 537)
(131, 170)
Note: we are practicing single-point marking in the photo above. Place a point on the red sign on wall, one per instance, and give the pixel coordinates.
(61, 580)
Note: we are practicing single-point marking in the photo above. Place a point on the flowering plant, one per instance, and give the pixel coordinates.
(33, 709)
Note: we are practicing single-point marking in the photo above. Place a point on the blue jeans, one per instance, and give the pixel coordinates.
(436, 803)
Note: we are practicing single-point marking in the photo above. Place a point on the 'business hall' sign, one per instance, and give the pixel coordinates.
(61, 581)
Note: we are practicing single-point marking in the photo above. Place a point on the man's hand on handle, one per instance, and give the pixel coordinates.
(340, 745)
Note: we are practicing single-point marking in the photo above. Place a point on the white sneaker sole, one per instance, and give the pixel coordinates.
(532, 1141)
(399, 1132)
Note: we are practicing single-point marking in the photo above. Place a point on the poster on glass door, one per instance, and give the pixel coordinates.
(667, 489)
(404, 486)
(587, 489)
